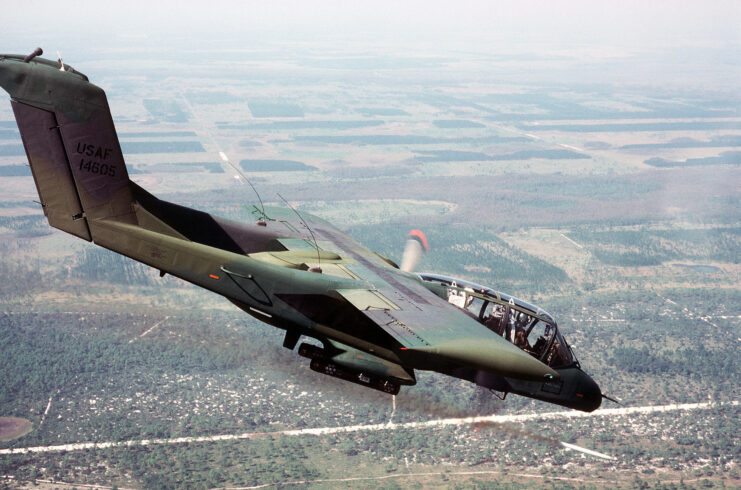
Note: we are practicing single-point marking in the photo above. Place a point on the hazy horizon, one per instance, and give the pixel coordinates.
(624, 25)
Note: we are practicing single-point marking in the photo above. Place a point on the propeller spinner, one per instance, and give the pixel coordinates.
(415, 248)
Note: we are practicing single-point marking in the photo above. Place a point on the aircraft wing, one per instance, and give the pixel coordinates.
(429, 332)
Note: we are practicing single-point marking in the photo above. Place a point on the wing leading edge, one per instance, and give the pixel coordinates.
(431, 333)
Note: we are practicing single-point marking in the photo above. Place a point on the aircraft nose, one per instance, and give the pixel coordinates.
(588, 393)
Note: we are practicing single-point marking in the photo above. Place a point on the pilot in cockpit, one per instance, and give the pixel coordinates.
(495, 321)
(521, 332)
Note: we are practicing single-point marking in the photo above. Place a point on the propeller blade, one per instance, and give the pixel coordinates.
(415, 248)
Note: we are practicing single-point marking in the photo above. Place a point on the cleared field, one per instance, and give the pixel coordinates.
(554, 247)
(643, 257)
(13, 428)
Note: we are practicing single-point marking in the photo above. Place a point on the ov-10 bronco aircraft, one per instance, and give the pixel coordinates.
(377, 322)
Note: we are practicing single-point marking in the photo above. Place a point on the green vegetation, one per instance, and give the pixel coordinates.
(653, 247)
(275, 108)
(720, 141)
(725, 158)
(453, 156)
(599, 188)
(374, 211)
(402, 139)
(273, 165)
(25, 226)
(182, 167)
(699, 268)
(539, 106)
(381, 111)
(156, 134)
(696, 362)
(456, 124)
(639, 126)
(21, 280)
(166, 110)
(288, 125)
(547, 154)
(352, 172)
(467, 252)
(11, 150)
(15, 170)
(371, 62)
(97, 264)
(467, 156)
(211, 97)
(9, 134)
(249, 144)
(161, 147)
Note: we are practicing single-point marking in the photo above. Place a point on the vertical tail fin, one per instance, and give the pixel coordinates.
(71, 143)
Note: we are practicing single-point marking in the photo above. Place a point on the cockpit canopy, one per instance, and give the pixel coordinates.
(527, 326)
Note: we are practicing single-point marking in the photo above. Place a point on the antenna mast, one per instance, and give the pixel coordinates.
(264, 219)
(313, 238)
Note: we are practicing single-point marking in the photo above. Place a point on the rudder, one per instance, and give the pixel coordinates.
(51, 170)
